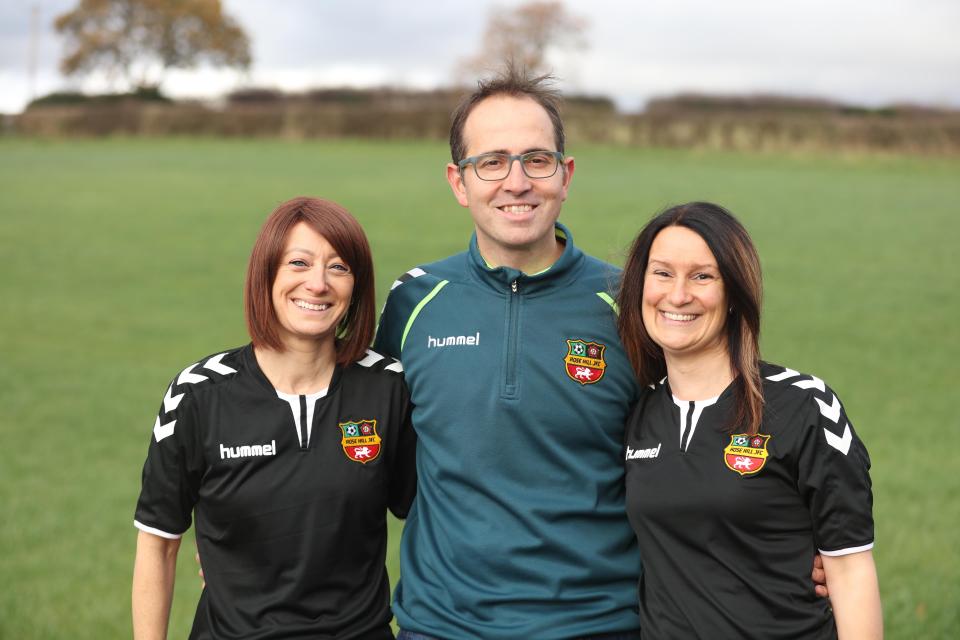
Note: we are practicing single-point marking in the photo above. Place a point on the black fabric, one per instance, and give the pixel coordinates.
(293, 544)
(729, 555)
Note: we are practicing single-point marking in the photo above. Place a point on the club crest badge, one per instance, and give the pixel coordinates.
(360, 440)
(584, 361)
(746, 454)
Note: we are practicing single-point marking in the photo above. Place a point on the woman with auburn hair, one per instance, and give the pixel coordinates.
(738, 472)
(287, 451)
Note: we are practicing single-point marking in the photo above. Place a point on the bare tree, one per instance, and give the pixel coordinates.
(138, 40)
(524, 35)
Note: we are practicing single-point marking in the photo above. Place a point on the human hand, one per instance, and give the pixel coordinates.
(819, 577)
(203, 583)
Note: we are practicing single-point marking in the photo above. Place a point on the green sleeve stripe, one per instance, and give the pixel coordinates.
(417, 309)
(610, 301)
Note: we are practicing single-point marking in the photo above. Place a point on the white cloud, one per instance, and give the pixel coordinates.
(863, 51)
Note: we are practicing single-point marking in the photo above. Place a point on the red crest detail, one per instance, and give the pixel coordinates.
(360, 440)
(746, 454)
(584, 361)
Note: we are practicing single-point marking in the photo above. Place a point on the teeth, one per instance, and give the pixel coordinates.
(313, 307)
(682, 317)
(517, 208)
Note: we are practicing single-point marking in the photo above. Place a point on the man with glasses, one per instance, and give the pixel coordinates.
(521, 390)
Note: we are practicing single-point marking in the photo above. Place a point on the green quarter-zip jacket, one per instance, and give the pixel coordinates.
(521, 391)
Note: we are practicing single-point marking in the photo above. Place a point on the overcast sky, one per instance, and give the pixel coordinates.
(869, 52)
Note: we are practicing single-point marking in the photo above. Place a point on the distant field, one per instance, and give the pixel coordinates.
(122, 261)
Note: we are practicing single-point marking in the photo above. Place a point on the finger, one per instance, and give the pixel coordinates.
(817, 562)
(821, 590)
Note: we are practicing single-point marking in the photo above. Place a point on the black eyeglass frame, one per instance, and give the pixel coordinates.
(462, 165)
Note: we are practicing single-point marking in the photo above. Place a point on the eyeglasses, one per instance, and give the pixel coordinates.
(497, 166)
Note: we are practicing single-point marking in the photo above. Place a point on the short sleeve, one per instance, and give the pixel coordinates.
(409, 293)
(834, 478)
(403, 462)
(389, 338)
(389, 331)
(171, 475)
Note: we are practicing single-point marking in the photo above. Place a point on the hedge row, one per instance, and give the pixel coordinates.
(935, 133)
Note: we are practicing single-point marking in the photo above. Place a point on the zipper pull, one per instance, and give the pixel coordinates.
(513, 286)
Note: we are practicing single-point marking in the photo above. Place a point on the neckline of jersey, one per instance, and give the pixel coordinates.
(250, 360)
(501, 278)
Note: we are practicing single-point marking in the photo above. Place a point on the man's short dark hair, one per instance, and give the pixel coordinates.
(516, 82)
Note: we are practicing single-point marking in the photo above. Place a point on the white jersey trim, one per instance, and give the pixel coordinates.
(293, 399)
(157, 532)
(698, 407)
(847, 551)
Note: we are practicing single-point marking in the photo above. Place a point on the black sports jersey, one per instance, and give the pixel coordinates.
(728, 523)
(289, 496)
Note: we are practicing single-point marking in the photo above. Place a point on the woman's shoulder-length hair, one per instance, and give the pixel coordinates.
(344, 233)
(739, 266)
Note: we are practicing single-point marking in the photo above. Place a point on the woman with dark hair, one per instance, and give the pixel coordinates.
(737, 471)
(287, 451)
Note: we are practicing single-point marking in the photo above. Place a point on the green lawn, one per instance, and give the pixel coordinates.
(123, 260)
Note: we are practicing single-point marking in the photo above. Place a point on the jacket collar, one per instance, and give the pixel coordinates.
(556, 275)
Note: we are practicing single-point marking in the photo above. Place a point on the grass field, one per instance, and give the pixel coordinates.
(122, 261)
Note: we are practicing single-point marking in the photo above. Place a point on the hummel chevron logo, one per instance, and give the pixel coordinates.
(841, 444)
(161, 431)
(416, 272)
(188, 377)
(786, 374)
(171, 402)
(214, 364)
(832, 411)
(813, 383)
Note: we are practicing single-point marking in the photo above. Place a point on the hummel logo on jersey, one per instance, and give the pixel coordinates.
(249, 450)
(454, 341)
(652, 452)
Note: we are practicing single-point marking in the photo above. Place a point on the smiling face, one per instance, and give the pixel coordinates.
(684, 304)
(312, 289)
(514, 217)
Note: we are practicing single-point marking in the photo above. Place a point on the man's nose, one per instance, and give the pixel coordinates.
(516, 181)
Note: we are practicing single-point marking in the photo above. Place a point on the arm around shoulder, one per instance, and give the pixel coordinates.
(855, 595)
(153, 576)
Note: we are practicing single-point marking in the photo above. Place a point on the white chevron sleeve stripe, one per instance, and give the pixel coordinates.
(188, 377)
(396, 366)
(370, 359)
(840, 443)
(161, 431)
(832, 411)
(416, 272)
(813, 383)
(788, 373)
(214, 364)
(171, 402)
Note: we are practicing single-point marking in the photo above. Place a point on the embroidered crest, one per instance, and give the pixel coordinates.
(746, 454)
(360, 440)
(584, 361)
